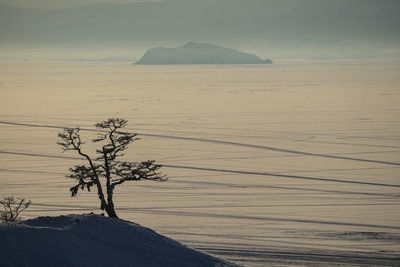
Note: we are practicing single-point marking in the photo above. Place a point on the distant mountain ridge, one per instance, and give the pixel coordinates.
(198, 53)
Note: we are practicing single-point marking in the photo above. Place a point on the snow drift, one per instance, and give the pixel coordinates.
(93, 240)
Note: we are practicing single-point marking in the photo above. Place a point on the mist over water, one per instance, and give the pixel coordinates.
(267, 28)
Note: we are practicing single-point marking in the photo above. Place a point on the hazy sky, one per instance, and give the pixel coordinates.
(316, 27)
(63, 3)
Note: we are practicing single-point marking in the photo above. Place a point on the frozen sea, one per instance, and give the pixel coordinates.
(296, 163)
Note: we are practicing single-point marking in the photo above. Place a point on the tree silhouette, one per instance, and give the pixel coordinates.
(12, 208)
(105, 170)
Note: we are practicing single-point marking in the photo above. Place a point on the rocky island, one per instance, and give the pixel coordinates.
(198, 53)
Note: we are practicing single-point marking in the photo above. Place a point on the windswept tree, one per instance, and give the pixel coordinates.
(104, 171)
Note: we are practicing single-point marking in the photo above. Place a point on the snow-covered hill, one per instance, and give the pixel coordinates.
(92, 240)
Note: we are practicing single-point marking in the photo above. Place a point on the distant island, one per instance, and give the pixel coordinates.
(198, 53)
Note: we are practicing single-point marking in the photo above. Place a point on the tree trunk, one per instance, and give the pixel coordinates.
(111, 212)
(110, 204)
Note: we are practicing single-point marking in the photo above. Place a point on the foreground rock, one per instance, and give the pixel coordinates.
(198, 53)
(93, 240)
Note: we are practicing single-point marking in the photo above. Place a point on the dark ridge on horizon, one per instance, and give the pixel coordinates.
(198, 53)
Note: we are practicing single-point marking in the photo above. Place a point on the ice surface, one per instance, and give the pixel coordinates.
(201, 114)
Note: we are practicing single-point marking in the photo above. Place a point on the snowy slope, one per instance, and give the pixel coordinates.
(92, 240)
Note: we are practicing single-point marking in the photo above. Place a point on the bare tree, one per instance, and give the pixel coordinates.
(12, 208)
(105, 171)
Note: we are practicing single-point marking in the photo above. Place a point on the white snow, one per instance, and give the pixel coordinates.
(92, 240)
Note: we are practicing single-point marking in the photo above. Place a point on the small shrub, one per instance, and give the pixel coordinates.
(12, 208)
